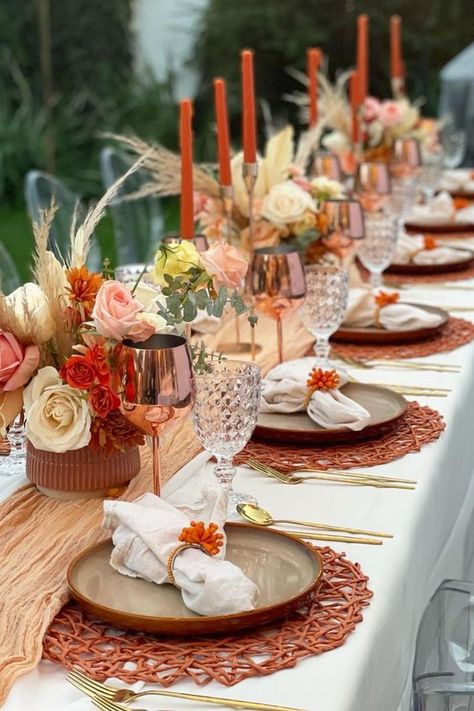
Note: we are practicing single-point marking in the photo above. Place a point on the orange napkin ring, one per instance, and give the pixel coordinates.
(320, 379)
(381, 300)
(196, 535)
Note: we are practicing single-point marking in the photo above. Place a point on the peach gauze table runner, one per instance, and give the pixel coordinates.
(40, 536)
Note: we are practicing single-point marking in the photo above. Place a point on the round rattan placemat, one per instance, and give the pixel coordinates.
(323, 623)
(418, 426)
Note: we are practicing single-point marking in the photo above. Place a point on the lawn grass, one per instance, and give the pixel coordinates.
(17, 236)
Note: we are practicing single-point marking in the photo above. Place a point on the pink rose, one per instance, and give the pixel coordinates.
(17, 363)
(371, 108)
(115, 310)
(141, 330)
(390, 113)
(199, 203)
(225, 264)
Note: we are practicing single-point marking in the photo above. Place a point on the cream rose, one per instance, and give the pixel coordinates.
(325, 189)
(175, 259)
(145, 294)
(57, 416)
(31, 308)
(286, 203)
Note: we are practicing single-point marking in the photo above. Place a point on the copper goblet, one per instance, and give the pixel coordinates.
(406, 157)
(372, 185)
(342, 225)
(277, 283)
(158, 388)
(328, 165)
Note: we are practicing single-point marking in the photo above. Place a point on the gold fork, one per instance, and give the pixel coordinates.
(255, 463)
(408, 365)
(341, 478)
(110, 695)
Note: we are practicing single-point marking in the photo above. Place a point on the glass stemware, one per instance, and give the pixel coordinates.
(454, 146)
(328, 165)
(377, 249)
(15, 462)
(430, 174)
(406, 157)
(342, 225)
(327, 292)
(224, 417)
(275, 280)
(372, 185)
(158, 388)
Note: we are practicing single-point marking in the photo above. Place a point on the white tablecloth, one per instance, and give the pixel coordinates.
(433, 541)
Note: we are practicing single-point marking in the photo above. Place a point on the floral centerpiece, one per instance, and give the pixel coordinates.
(61, 346)
(286, 203)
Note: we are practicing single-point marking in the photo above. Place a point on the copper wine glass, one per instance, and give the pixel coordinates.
(406, 157)
(328, 165)
(372, 185)
(342, 225)
(277, 283)
(158, 388)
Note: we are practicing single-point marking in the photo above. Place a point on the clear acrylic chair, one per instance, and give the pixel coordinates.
(443, 673)
(40, 188)
(9, 277)
(138, 224)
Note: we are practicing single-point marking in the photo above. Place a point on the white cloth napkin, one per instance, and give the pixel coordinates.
(145, 533)
(393, 317)
(457, 180)
(437, 211)
(284, 390)
(408, 251)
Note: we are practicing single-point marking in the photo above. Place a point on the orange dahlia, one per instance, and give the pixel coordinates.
(83, 286)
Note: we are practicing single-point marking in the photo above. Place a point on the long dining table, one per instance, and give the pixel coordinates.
(433, 540)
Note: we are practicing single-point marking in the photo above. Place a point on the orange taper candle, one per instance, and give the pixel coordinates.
(313, 55)
(248, 108)
(186, 146)
(223, 149)
(363, 55)
(396, 61)
(354, 94)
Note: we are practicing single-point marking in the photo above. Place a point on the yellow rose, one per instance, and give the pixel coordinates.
(175, 259)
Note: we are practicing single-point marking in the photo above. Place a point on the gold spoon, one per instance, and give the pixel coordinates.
(255, 514)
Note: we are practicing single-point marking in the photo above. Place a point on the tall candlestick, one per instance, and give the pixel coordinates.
(396, 61)
(313, 55)
(363, 55)
(186, 146)
(223, 149)
(248, 108)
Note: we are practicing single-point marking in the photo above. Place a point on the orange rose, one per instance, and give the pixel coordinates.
(97, 357)
(103, 400)
(78, 372)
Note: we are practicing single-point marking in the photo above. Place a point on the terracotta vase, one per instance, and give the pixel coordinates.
(82, 473)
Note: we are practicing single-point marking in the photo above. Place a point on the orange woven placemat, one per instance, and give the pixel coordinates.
(456, 332)
(419, 426)
(322, 624)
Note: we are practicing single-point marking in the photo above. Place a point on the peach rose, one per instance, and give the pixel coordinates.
(225, 264)
(17, 363)
(142, 328)
(390, 113)
(371, 108)
(115, 310)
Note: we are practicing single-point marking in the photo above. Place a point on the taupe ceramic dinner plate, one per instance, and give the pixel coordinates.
(285, 570)
(385, 407)
(421, 269)
(381, 336)
(440, 228)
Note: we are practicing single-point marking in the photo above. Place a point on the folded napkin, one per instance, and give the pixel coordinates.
(362, 312)
(145, 533)
(437, 211)
(417, 250)
(285, 389)
(458, 180)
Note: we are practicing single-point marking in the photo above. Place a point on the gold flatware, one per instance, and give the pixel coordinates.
(431, 287)
(334, 539)
(96, 690)
(458, 308)
(408, 365)
(414, 389)
(261, 517)
(256, 464)
(345, 479)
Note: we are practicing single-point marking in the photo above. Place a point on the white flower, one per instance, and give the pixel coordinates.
(146, 295)
(57, 416)
(157, 321)
(336, 142)
(286, 203)
(31, 308)
(326, 189)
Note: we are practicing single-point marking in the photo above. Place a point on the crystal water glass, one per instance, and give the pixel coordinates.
(224, 417)
(327, 292)
(15, 462)
(453, 143)
(402, 200)
(377, 249)
(430, 174)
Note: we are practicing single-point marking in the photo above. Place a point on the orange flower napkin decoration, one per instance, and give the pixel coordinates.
(320, 379)
(205, 536)
(429, 242)
(383, 299)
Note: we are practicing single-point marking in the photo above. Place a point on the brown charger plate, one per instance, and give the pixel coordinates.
(385, 407)
(422, 269)
(442, 228)
(381, 336)
(285, 569)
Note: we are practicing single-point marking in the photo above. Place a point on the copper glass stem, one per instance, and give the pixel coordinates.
(156, 466)
(279, 339)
